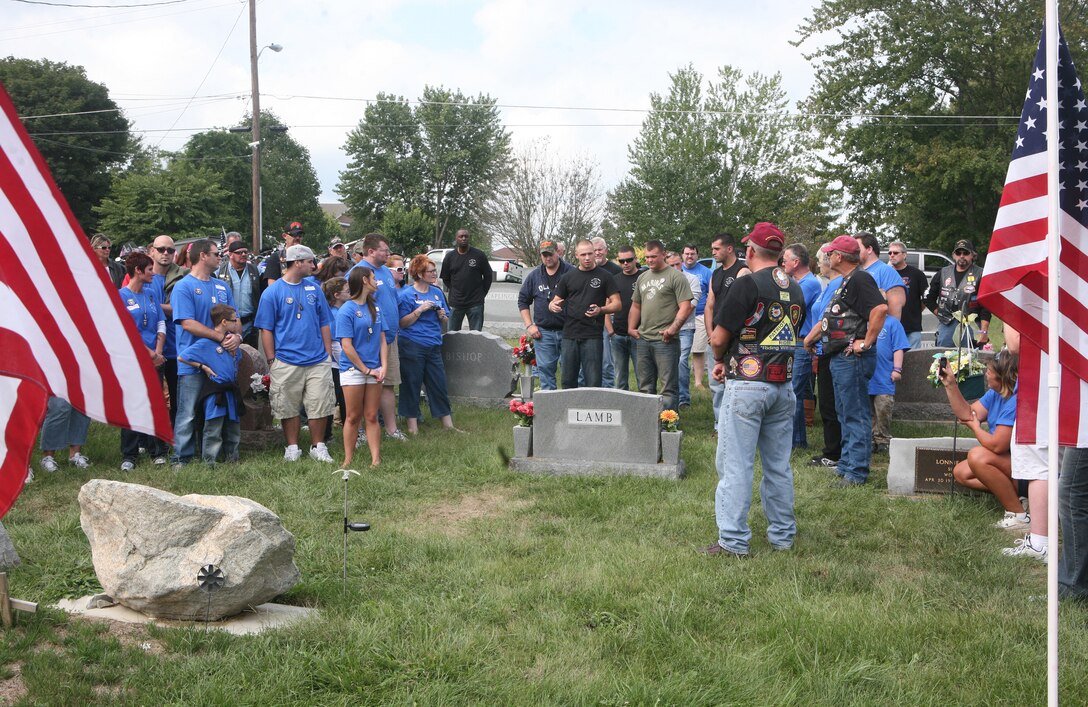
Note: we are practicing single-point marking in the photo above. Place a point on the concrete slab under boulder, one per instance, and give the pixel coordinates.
(480, 368)
(258, 619)
(597, 432)
(148, 547)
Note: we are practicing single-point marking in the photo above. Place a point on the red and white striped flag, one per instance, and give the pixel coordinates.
(63, 331)
(1014, 281)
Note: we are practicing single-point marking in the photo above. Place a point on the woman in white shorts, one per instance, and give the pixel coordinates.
(363, 358)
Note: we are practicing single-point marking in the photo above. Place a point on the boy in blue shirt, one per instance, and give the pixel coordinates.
(890, 346)
(219, 393)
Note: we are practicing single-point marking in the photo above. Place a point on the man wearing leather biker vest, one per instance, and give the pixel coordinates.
(753, 340)
(955, 289)
(849, 329)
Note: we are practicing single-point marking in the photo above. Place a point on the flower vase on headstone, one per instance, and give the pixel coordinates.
(523, 441)
(527, 387)
(670, 447)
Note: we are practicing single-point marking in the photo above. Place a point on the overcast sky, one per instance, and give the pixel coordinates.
(184, 66)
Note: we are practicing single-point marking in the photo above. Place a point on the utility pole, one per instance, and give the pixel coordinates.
(255, 120)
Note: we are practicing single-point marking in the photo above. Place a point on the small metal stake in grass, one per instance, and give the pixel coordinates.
(345, 474)
(210, 579)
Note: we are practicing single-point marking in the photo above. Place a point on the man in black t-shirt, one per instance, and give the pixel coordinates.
(585, 296)
(915, 282)
(623, 347)
(849, 330)
(724, 251)
(467, 275)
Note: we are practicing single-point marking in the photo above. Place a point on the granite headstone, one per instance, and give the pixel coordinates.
(480, 368)
(256, 421)
(915, 397)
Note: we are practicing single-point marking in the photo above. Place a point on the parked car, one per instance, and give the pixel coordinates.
(501, 270)
(713, 264)
(928, 261)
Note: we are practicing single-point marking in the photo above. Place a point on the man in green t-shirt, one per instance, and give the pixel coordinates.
(660, 303)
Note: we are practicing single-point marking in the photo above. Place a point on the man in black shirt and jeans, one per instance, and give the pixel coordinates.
(915, 282)
(623, 347)
(585, 295)
(467, 276)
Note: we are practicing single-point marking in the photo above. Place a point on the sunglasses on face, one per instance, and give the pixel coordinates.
(101, 247)
(961, 252)
(895, 252)
(625, 261)
(167, 249)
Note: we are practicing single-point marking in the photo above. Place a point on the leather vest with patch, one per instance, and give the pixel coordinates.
(953, 297)
(841, 324)
(763, 348)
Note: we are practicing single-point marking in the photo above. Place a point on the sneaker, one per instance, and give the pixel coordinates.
(397, 435)
(29, 476)
(823, 462)
(1024, 548)
(1014, 521)
(159, 461)
(48, 464)
(80, 461)
(127, 466)
(1024, 503)
(717, 550)
(292, 453)
(845, 483)
(360, 439)
(321, 453)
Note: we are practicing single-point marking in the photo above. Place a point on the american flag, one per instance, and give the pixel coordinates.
(63, 331)
(1014, 282)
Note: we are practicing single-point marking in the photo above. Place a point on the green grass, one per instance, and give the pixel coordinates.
(478, 585)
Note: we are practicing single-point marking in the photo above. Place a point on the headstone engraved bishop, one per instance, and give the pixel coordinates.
(480, 368)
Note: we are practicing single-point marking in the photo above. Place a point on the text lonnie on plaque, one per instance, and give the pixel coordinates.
(608, 418)
(933, 469)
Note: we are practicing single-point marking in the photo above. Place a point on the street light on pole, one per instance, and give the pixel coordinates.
(255, 124)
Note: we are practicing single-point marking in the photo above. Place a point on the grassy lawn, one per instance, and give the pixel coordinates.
(478, 585)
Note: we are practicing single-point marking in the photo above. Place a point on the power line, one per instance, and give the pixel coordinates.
(81, 24)
(101, 7)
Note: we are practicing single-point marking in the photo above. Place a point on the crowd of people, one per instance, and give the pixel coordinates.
(344, 332)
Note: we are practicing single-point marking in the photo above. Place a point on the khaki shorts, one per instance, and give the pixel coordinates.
(293, 386)
(392, 365)
(699, 344)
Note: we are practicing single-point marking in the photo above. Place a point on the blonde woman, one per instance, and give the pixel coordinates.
(363, 361)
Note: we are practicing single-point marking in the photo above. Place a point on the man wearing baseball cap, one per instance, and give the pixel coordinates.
(294, 320)
(955, 289)
(754, 341)
(541, 324)
(292, 235)
(848, 329)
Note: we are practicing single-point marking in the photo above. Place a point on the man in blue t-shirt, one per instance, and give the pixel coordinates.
(692, 266)
(374, 249)
(886, 277)
(890, 346)
(192, 300)
(795, 261)
(218, 372)
(294, 320)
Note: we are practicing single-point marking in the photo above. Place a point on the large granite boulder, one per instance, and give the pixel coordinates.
(148, 546)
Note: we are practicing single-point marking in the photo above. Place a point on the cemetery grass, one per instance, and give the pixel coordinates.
(478, 585)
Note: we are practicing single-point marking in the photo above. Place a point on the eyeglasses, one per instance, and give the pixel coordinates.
(101, 247)
(239, 252)
(213, 253)
(400, 269)
(624, 261)
(168, 249)
(961, 252)
(895, 252)
(430, 272)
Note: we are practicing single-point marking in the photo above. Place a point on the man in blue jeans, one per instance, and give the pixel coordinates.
(795, 262)
(467, 276)
(1073, 515)
(542, 325)
(754, 340)
(623, 346)
(687, 331)
(584, 296)
(849, 329)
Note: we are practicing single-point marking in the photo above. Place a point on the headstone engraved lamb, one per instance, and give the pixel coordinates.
(480, 368)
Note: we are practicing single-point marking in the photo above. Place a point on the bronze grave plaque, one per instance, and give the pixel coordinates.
(933, 469)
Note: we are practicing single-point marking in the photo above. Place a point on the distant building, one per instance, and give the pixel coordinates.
(339, 212)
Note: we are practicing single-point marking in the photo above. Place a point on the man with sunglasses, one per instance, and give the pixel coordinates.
(623, 346)
(245, 285)
(954, 289)
(165, 275)
(915, 282)
(541, 324)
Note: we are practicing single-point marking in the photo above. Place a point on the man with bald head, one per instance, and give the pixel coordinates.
(166, 275)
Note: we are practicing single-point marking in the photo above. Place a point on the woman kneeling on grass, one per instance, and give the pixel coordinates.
(362, 363)
(988, 467)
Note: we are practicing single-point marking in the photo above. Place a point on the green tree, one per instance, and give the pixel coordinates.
(445, 157)
(920, 103)
(408, 230)
(181, 201)
(81, 132)
(703, 161)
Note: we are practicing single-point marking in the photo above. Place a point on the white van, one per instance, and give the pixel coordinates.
(928, 261)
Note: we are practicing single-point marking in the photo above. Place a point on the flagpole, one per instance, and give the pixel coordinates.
(1053, 384)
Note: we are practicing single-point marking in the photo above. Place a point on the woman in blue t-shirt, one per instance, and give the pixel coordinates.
(423, 310)
(362, 363)
(988, 467)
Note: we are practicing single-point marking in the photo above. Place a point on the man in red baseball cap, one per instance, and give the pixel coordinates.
(849, 328)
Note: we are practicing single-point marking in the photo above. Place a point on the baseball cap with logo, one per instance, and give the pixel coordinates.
(964, 244)
(547, 247)
(298, 252)
(766, 235)
(335, 243)
(236, 246)
(843, 244)
(294, 228)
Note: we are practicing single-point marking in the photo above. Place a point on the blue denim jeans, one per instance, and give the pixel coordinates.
(946, 334)
(608, 372)
(548, 347)
(802, 390)
(623, 355)
(475, 318)
(221, 433)
(1073, 517)
(63, 426)
(422, 367)
(915, 339)
(850, 376)
(656, 360)
(717, 391)
(755, 416)
(185, 424)
(582, 360)
(687, 338)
